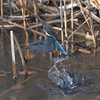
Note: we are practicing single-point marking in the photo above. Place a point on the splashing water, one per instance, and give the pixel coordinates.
(61, 78)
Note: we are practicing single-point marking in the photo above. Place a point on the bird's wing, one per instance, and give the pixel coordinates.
(43, 46)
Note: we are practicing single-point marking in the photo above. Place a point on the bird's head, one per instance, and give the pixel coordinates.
(47, 30)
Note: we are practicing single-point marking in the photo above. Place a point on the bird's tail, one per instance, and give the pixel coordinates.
(60, 48)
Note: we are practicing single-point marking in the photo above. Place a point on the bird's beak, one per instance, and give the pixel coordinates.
(41, 22)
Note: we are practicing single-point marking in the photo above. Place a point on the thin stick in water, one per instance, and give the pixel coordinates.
(13, 56)
(21, 55)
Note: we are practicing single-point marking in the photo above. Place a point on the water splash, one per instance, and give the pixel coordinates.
(60, 76)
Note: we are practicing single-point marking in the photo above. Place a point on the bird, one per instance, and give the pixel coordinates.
(48, 45)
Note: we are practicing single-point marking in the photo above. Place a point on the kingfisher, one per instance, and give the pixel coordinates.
(48, 45)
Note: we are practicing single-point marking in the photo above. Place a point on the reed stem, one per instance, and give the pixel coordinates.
(61, 16)
(72, 23)
(13, 55)
(91, 23)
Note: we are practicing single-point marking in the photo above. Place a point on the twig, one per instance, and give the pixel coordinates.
(96, 3)
(50, 22)
(77, 44)
(21, 55)
(93, 16)
(77, 33)
(65, 95)
(21, 3)
(10, 7)
(35, 31)
(79, 27)
(54, 2)
(83, 13)
(7, 26)
(48, 9)
(97, 6)
(4, 29)
(8, 90)
(20, 26)
(91, 24)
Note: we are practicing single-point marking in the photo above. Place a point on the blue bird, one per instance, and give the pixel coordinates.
(48, 45)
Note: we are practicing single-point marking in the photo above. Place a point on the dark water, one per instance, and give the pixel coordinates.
(83, 68)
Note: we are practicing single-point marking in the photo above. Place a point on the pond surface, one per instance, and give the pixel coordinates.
(84, 69)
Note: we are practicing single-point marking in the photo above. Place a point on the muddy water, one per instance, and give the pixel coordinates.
(83, 68)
